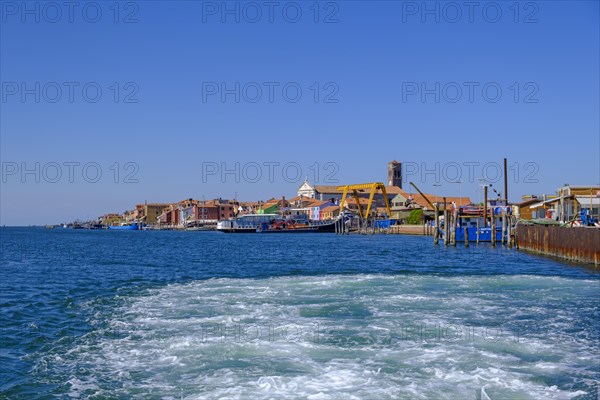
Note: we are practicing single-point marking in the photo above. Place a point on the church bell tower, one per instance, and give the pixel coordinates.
(395, 174)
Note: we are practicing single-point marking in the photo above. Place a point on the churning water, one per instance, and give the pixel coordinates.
(205, 315)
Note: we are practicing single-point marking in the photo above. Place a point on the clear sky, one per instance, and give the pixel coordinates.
(187, 91)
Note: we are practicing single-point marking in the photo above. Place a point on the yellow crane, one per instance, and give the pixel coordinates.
(372, 187)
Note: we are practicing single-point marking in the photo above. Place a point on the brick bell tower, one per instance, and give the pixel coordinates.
(395, 174)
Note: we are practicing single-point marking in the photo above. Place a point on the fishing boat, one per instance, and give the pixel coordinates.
(470, 221)
(134, 226)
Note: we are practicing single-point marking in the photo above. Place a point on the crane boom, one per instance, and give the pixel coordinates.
(425, 197)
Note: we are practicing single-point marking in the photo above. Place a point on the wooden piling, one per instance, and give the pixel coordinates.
(454, 220)
(446, 224)
(466, 228)
(449, 227)
(485, 206)
(477, 232)
(511, 234)
(508, 230)
(446, 228)
(436, 233)
(503, 237)
(493, 226)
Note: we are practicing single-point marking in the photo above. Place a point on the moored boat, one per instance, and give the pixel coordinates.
(134, 226)
(248, 223)
(293, 226)
(471, 221)
(273, 223)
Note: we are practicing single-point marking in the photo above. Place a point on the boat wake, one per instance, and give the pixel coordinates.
(340, 337)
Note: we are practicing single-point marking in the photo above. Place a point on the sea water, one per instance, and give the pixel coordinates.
(208, 315)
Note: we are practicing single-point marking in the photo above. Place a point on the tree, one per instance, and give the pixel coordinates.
(415, 217)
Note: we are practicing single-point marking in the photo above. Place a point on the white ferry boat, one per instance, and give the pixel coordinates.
(248, 223)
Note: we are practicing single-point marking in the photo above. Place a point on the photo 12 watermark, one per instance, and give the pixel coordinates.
(469, 92)
(270, 92)
(454, 12)
(69, 172)
(469, 172)
(70, 12)
(68, 92)
(269, 172)
(270, 12)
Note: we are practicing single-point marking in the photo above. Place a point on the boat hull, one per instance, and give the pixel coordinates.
(307, 229)
(237, 230)
(485, 234)
(132, 227)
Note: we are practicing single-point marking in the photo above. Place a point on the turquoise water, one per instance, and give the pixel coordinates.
(205, 315)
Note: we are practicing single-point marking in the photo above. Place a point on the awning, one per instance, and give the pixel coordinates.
(543, 203)
(586, 201)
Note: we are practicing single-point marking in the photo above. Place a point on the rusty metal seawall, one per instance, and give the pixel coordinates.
(577, 244)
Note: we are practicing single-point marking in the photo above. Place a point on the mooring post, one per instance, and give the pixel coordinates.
(515, 235)
(446, 224)
(510, 232)
(503, 228)
(477, 231)
(466, 228)
(493, 226)
(449, 227)
(485, 206)
(446, 228)
(436, 233)
(508, 218)
(454, 223)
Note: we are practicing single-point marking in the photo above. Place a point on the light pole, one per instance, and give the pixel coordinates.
(436, 191)
(459, 192)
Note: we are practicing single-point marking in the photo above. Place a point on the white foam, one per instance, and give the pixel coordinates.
(332, 337)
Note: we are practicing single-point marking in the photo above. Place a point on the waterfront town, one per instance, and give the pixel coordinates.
(534, 223)
(323, 203)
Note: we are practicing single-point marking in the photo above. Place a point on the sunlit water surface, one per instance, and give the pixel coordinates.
(206, 315)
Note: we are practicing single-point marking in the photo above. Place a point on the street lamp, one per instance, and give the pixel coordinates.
(436, 192)
(459, 192)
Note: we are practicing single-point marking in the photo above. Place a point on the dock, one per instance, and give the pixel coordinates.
(580, 244)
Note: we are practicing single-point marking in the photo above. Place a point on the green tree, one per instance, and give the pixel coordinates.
(415, 217)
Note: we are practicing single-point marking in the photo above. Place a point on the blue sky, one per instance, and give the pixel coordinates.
(378, 81)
